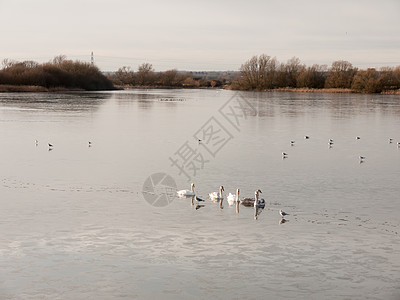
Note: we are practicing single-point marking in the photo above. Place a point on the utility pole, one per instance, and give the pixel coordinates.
(92, 59)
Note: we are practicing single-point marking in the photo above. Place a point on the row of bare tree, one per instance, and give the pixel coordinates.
(146, 76)
(59, 73)
(264, 72)
(258, 73)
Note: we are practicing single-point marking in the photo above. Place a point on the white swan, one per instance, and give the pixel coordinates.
(187, 193)
(215, 196)
(232, 199)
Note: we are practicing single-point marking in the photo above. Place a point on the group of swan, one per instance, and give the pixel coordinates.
(232, 199)
(256, 202)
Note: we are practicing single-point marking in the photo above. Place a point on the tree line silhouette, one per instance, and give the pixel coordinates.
(264, 73)
(59, 73)
(146, 76)
(259, 73)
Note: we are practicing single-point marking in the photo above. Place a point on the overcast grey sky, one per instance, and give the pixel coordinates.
(201, 35)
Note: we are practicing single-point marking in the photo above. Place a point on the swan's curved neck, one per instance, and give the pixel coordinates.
(256, 198)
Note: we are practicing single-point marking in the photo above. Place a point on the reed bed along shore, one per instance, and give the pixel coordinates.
(40, 89)
(6, 88)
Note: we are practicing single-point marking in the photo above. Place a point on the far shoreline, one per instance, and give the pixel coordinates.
(41, 89)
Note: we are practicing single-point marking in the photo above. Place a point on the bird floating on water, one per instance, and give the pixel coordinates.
(90, 144)
(258, 203)
(306, 137)
(232, 199)
(284, 155)
(282, 213)
(357, 137)
(214, 196)
(50, 145)
(36, 142)
(187, 193)
(199, 199)
(291, 143)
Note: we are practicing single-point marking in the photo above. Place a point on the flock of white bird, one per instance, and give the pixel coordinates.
(330, 143)
(256, 202)
(51, 145)
(232, 199)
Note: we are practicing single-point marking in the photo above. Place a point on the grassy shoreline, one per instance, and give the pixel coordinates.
(7, 88)
(41, 89)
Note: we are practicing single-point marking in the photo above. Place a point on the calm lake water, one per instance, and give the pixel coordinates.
(80, 222)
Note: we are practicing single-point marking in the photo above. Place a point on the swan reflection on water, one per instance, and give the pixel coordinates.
(220, 203)
(257, 211)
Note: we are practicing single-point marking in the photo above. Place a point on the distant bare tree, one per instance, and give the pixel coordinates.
(292, 68)
(258, 72)
(367, 81)
(124, 76)
(396, 77)
(30, 64)
(340, 75)
(145, 74)
(169, 78)
(312, 77)
(58, 60)
(6, 63)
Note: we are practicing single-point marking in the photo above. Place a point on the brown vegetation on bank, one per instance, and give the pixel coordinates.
(147, 77)
(260, 73)
(58, 74)
(263, 72)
